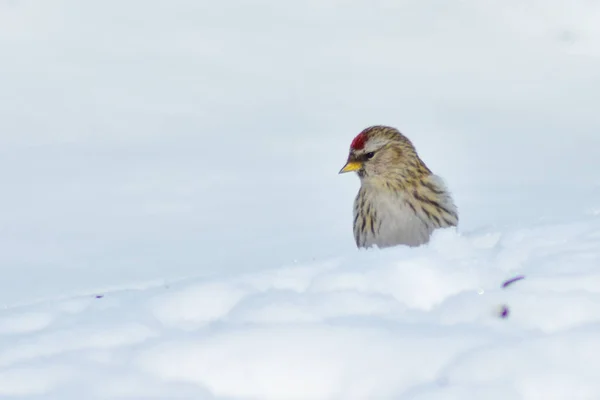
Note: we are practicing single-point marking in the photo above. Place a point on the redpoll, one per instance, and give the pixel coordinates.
(400, 201)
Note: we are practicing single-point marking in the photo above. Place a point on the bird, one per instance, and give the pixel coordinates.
(400, 200)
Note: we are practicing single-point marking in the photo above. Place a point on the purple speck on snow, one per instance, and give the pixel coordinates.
(512, 280)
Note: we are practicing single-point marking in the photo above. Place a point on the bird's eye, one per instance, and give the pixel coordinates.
(370, 155)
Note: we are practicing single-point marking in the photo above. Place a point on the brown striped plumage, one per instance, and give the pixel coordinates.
(400, 201)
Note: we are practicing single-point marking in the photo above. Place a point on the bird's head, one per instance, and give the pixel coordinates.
(383, 153)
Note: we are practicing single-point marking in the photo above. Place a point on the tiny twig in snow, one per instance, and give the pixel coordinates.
(512, 280)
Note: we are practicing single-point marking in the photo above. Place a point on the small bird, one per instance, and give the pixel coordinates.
(400, 201)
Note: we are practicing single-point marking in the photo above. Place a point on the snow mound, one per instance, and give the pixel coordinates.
(402, 323)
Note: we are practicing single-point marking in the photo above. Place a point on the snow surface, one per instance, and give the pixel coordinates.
(174, 226)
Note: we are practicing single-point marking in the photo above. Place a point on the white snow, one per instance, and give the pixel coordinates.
(398, 323)
(174, 227)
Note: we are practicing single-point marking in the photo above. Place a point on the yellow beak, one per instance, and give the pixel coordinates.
(351, 166)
